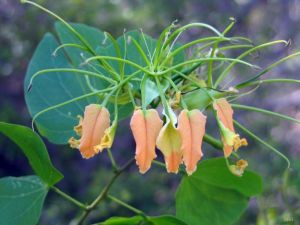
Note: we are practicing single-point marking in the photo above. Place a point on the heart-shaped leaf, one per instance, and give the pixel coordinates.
(21, 200)
(158, 220)
(212, 195)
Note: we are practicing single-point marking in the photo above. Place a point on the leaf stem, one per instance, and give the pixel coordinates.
(228, 68)
(277, 63)
(112, 160)
(125, 205)
(213, 142)
(267, 112)
(262, 142)
(267, 81)
(71, 70)
(68, 197)
(103, 193)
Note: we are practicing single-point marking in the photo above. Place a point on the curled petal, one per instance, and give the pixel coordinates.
(95, 121)
(239, 168)
(225, 117)
(145, 126)
(78, 128)
(169, 143)
(230, 139)
(224, 113)
(108, 138)
(191, 125)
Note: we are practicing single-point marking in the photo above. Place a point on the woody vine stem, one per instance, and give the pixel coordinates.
(104, 194)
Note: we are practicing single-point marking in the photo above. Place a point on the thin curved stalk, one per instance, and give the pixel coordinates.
(118, 59)
(69, 45)
(212, 55)
(244, 129)
(117, 48)
(142, 53)
(159, 45)
(230, 47)
(85, 72)
(228, 68)
(127, 206)
(68, 102)
(205, 60)
(84, 96)
(103, 194)
(198, 41)
(191, 25)
(80, 38)
(282, 60)
(69, 198)
(268, 81)
(266, 112)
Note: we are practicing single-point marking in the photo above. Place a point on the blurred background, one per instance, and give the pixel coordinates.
(23, 26)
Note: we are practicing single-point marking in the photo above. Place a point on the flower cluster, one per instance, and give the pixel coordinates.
(179, 141)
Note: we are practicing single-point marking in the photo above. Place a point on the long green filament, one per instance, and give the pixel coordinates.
(68, 45)
(266, 112)
(68, 102)
(212, 54)
(269, 81)
(226, 70)
(243, 84)
(75, 71)
(190, 44)
(84, 96)
(255, 137)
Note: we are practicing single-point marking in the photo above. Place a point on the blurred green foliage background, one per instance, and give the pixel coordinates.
(23, 26)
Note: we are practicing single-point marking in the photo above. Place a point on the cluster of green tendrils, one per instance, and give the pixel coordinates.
(181, 77)
(159, 66)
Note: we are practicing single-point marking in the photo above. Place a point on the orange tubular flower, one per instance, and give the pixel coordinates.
(169, 143)
(145, 126)
(230, 139)
(91, 129)
(191, 125)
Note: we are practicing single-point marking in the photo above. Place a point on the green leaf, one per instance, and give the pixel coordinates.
(53, 88)
(94, 37)
(215, 172)
(166, 220)
(212, 195)
(34, 149)
(21, 200)
(159, 220)
(151, 91)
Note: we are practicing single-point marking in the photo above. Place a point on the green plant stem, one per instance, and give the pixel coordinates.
(254, 78)
(125, 205)
(228, 68)
(213, 142)
(183, 47)
(267, 81)
(159, 163)
(68, 197)
(112, 160)
(267, 112)
(75, 71)
(255, 137)
(68, 45)
(212, 54)
(103, 193)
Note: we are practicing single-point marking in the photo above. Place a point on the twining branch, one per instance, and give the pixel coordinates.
(103, 193)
